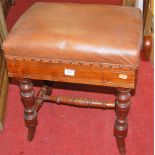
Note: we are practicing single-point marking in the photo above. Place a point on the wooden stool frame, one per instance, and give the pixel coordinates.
(111, 73)
(40, 55)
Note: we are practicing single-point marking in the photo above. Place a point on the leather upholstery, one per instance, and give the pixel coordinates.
(83, 32)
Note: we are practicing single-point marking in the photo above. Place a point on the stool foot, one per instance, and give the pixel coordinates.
(30, 115)
(121, 126)
(31, 133)
(121, 145)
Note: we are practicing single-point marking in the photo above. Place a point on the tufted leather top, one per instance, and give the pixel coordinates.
(83, 32)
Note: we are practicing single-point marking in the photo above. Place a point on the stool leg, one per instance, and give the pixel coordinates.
(27, 97)
(49, 89)
(121, 126)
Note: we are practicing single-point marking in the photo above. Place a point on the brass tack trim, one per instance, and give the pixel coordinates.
(91, 64)
(86, 63)
(80, 62)
(120, 66)
(110, 66)
(14, 58)
(70, 61)
(130, 67)
(60, 61)
(50, 60)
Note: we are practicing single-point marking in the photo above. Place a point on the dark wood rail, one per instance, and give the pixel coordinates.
(81, 102)
(44, 95)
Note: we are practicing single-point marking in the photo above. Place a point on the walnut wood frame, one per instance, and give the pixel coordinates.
(121, 77)
(85, 72)
(25, 69)
(32, 104)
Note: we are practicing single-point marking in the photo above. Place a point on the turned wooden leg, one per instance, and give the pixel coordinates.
(49, 88)
(27, 97)
(121, 126)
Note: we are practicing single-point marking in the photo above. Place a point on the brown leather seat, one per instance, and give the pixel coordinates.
(77, 32)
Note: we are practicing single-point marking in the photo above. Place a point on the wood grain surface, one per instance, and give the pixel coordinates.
(3, 71)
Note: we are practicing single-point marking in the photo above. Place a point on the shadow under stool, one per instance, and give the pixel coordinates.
(92, 44)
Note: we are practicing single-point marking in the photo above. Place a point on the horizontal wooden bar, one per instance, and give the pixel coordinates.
(40, 97)
(81, 102)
